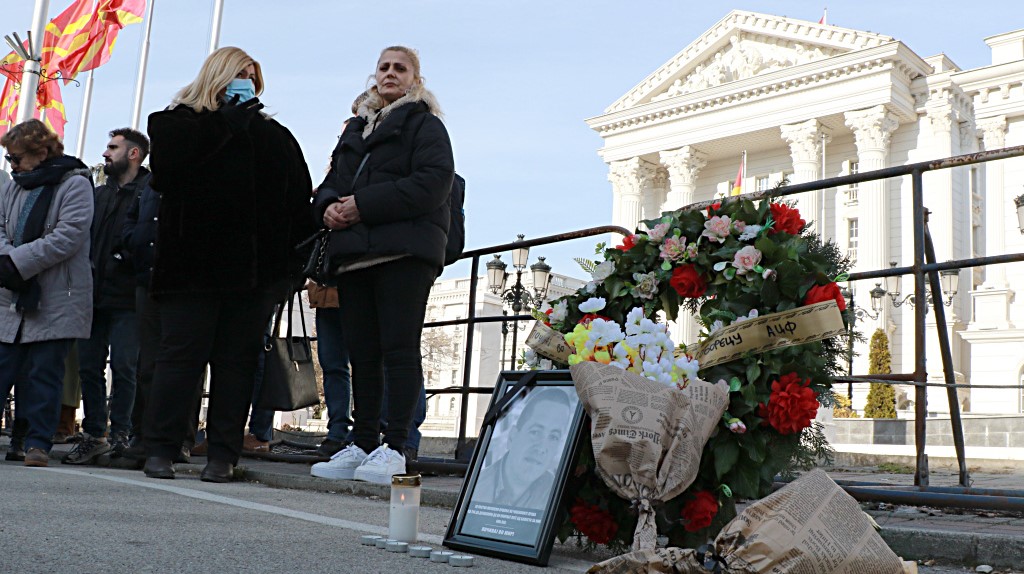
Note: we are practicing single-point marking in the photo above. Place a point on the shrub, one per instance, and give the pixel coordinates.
(881, 397)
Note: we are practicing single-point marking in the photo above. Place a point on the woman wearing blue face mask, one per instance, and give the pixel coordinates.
(234, 202)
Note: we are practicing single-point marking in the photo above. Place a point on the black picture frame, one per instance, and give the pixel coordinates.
(485, 521)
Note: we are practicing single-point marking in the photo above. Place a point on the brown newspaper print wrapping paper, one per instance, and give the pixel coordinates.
(647, 436)
(811, 526)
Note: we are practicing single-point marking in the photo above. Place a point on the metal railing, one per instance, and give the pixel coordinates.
(925, 270)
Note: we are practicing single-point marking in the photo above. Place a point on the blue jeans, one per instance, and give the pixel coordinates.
(39, 369)
(116, 330)
(333, 355)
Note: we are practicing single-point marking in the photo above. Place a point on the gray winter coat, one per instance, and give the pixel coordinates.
(60, 260)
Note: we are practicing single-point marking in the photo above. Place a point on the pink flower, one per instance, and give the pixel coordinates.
(737, 426)
(659, 232)
(673, 248)
(717, 228)
(746, 259)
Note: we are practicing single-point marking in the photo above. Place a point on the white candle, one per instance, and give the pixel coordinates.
(404, 520)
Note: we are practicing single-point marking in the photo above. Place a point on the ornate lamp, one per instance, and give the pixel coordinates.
(1019, 203)
(541, 277)
(496, 274)
(520, 255)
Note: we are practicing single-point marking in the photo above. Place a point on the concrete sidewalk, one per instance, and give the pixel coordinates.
(957, 536)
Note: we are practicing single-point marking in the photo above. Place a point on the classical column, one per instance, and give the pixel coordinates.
(630, 179)
(872, 129)
(805, 141)
(682, 164)
(993, 134)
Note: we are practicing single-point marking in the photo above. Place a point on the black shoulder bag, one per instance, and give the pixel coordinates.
(289, 382)
(318, 267)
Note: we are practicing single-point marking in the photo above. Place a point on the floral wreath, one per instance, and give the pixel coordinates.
(737, 260)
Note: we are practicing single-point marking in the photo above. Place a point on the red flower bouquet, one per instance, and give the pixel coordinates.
(792, 404)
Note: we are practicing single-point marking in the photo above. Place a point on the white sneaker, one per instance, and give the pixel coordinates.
(381, 465)
(342, 465)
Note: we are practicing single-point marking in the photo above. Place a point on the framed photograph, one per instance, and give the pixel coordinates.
(510, 500)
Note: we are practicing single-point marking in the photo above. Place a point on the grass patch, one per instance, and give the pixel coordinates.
(896, 468)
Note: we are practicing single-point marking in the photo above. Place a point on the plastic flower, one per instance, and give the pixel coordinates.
(747, 317)
(559, 311)
(787, 219)
(686, 280)
(791, 406)
(595, 523)
(603, 271)
(646, 285)
(747, 231)
(699, 512)
(736, 425)
(820, 293)
(658, 233)
(717, 228)
(673, 248)
(628, 242)
(593, 305)
(746, 259)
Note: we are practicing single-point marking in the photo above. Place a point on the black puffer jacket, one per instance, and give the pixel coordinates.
(139, 233)
(233, 205)
(403, 191)
(113, 272)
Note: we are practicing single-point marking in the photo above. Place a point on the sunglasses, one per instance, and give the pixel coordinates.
(12, 158)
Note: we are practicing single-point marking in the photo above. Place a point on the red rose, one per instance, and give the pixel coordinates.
(820, 293)
(687, 281)
(590, 317)
(548, 320)
(786, 219)
(791, 406)
(714, 207)
(595, 523)
(628, 243)
(699, 512)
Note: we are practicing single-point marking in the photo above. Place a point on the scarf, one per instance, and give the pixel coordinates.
(32, 220)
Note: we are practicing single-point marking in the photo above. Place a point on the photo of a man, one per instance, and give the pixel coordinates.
(523, 476)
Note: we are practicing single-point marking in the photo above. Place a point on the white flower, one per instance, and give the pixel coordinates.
(603, 271)
(752, 315)
(591, 287)
(750, 232)
(545, 365)
(593, 305)
(715, 327)
(558, 311)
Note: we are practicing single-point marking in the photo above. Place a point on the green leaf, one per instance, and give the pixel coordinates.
(753, 372)
(770, 293)
(726, 491)
(735, 384)
(744, 480)
(666, 266)
(730, 273)
(720, 265)
(726, 454)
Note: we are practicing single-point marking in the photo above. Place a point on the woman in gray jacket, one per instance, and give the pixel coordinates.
(45, 279)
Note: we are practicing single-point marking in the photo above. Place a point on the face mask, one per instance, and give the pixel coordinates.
(245, 89)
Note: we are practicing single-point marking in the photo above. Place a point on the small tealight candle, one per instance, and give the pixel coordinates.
(396, 546)
(370, 539)
(460, 560)
(420, 551)
(440, 555)
(382, 542)
(404, 520)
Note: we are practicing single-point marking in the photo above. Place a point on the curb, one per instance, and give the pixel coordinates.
(957, 547)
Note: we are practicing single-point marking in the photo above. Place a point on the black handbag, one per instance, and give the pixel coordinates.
(289, 382)
(318, 265)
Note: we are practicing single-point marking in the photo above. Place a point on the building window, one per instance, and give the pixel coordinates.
(851, 190)
(761, 183)
(852, 232)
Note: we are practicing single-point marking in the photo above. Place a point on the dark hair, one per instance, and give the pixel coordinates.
(537, 397)
(32, 136)
(135, 137)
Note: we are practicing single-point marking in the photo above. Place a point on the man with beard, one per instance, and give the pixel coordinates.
(114, 327)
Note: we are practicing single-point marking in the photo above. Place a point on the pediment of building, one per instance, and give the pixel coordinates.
(742, 45)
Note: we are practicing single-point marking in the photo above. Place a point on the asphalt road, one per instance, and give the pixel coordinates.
(101, 520)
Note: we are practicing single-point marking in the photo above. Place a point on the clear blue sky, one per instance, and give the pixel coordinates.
(516, 79)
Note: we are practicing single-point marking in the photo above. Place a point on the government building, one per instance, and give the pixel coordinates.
(805, 101)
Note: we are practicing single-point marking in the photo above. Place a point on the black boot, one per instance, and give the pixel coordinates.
(18, 433)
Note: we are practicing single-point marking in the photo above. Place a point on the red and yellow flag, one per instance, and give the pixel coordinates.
(737, 187)
(108, 19)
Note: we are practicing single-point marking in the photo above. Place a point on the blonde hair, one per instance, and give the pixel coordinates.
(222, 66)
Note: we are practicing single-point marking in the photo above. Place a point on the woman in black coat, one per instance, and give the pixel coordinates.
(235, 202)
(386, 201)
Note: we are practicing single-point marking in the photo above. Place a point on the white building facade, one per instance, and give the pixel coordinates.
(807, 101)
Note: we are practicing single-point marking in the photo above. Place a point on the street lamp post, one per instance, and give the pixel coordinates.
(517, 297)
(856, 313)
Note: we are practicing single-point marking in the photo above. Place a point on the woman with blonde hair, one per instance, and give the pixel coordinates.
(386, 200)
(235, 202)
(45, 276)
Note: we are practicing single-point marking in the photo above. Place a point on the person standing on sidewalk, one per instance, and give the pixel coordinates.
(45, 281)
(386, 200)
(234, 203)
(114, 330)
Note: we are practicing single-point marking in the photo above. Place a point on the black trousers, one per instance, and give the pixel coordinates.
(224, 331)
(382, 307)
(147, 314)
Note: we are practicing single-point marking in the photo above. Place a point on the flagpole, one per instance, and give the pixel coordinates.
(218, 12)
(30, 76)
(84, 125)
(744, 166)
(140, 81)
(821, 192)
